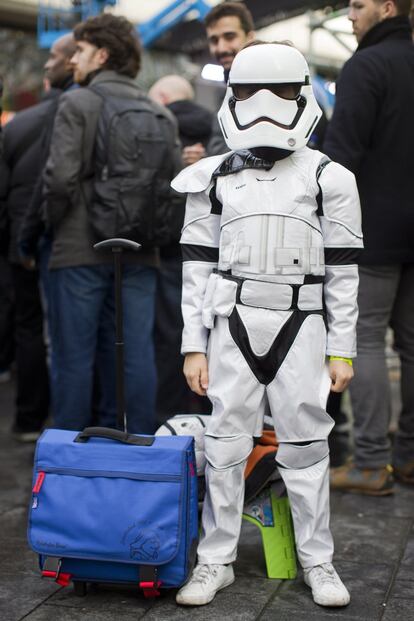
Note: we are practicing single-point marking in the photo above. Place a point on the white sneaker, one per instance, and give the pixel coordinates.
(327, 587)
(204, 584)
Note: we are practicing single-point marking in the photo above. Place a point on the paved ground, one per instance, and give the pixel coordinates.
(374, 555)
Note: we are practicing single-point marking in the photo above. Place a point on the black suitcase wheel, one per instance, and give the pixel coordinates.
(80, 588)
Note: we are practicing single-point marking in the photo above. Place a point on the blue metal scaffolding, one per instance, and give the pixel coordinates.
(58, 17)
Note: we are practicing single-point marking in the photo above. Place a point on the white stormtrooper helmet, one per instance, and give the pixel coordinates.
(269, 100)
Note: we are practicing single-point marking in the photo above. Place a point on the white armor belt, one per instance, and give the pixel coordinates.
(276, 296)
(224, 291)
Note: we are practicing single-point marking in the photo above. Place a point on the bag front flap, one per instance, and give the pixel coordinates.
(103, 500)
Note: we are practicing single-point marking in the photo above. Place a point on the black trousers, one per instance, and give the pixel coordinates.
(6, 315)
(173, 394)
(32, 390)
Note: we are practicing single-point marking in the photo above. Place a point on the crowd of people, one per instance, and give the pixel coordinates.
(57, 318)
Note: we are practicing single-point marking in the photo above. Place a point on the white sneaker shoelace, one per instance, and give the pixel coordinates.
(325, 574)
(327, 587)
(203, 573)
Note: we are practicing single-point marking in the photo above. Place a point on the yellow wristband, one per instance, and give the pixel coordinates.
(347, 360)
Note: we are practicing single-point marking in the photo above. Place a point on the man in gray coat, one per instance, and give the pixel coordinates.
(107, 56)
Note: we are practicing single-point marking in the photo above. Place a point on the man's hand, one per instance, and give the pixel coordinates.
(196, 372)
(341, 374)
(193, 153)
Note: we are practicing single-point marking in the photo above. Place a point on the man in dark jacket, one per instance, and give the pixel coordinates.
(174, 395)
(21, 166)
(372, 133)
(31, 231)
(108, 58)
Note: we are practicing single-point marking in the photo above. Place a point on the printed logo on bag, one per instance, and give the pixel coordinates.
(144, 543)
(50, 544)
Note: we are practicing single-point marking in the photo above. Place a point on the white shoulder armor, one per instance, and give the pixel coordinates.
(196, 178)
(340, 197)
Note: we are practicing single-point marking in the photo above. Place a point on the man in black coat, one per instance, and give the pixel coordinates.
(372, 134)
(20, 168)
(6, 289)
(33, 240)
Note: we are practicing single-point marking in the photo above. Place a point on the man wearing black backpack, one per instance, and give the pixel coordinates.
(112, 155)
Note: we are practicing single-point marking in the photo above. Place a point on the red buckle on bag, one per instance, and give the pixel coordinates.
(63, 579)
(60, 578)
(48, 574)
(54, 565)
(151, 588)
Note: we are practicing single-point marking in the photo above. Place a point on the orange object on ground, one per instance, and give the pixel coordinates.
(261, 464)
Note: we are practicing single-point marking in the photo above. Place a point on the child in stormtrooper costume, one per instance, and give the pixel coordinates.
(270, 240)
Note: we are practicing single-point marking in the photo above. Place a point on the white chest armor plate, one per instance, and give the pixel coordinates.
(269, 225)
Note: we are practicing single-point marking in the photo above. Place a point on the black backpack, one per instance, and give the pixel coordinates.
(134, 165)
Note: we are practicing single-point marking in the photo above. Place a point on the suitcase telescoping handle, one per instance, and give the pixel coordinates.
(118, 245)
(113, 434)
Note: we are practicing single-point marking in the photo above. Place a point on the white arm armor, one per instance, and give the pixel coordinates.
(200, 247)
(340, 217)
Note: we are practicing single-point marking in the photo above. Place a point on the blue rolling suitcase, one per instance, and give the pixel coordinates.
(114, 510)
(108, 506)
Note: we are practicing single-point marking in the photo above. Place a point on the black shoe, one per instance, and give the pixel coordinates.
(26, 436)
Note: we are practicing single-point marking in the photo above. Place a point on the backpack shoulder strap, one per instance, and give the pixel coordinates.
(101, 136)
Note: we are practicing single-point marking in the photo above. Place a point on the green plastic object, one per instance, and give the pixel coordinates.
(270, 512)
